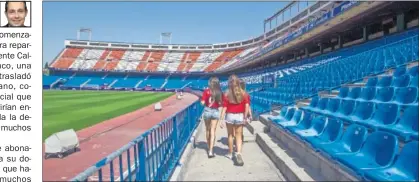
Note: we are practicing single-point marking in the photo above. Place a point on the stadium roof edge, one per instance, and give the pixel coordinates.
(252, 42)
(280, 45)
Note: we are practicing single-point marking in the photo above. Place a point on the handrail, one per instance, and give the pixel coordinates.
(156, 152)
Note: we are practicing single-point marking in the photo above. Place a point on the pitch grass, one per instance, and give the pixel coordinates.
(76, 110)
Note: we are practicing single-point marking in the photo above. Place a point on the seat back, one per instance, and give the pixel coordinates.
(314, 101)
(297, 117)
(381, 146)
(406, 95)
(354, 136)
(343, 92)
(368, 93)
(385, 94)
(306, 120)
(284, 111)
(290, 113)
(318, 124)
(333, 104)
(409, 117)
(386, 113)
(332, 131)
(413, 71)
(401, 81)
(372, 82)
(322, 103)
(364, 110)
(355, 92)
(407, 160)
(385, 81)
(414, 81)
(346, 107)
(399, 71)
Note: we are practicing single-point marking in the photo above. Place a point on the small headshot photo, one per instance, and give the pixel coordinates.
(15, 14)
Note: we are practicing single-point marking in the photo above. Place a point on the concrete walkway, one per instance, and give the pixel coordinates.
(257, 165)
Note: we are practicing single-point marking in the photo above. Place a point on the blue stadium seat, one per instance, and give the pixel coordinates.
(385, 81)
(384, 94)
(363, 111)
(372, 82)
(296, 118)
(313, 103)
(287, 117)
(317, 126)
(404, 169)
(350, 142)
(385, 115)
(321, 105)
(414, 81)
(305, 123)
(343, 92)
(354, 93)
(401, 81)
(367, 94)
(331, 107)
(413, 71)
(407, 126)
(399, 71)
(332, 132)
(406, 95)
(378, 151)
(346, 107)
(281, 115)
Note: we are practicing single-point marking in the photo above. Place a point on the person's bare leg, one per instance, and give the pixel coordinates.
(239, 130)
(234, 139)
(213, 127)
(230, 132)
(239, 134)
(208, 132)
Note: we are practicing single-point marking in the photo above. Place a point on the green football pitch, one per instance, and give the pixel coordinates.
(64, 110)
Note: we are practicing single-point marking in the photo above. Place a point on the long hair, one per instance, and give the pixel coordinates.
(235, 93)
(215, 88)
(242, 84)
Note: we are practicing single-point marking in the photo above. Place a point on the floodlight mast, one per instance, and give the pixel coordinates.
(84, 30)
(166, 35)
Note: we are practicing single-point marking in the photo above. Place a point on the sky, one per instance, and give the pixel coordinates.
(142, 22)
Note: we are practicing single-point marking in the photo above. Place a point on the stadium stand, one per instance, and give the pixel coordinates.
(385, 102)
(148, 61)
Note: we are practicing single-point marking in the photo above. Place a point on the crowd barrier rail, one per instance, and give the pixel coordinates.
(153, 155)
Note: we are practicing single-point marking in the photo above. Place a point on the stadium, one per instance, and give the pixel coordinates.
(333, 91)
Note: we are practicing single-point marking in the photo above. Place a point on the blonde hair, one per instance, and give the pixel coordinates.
(235, 93)
(215, 88)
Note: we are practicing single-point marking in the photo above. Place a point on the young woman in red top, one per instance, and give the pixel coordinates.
(212, 100)
(235, 110)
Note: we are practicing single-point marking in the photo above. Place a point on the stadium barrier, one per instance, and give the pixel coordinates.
(156, 152)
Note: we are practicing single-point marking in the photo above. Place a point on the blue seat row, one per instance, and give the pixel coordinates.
(404, 80)
(353, 68)
(402, 95)
(401, 120)
(373, 156)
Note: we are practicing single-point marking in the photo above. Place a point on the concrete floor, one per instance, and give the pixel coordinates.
(257, 165)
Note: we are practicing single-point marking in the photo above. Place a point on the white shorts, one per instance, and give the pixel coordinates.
(211, 114)
(235, 118)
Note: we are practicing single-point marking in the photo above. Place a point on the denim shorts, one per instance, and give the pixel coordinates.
(211, 114)
(235, 118)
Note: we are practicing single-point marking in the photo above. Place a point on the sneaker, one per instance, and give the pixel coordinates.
(238, 160)
(211, 155)
(229, 156)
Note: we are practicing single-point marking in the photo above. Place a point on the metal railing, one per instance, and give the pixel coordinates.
(152, 156)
